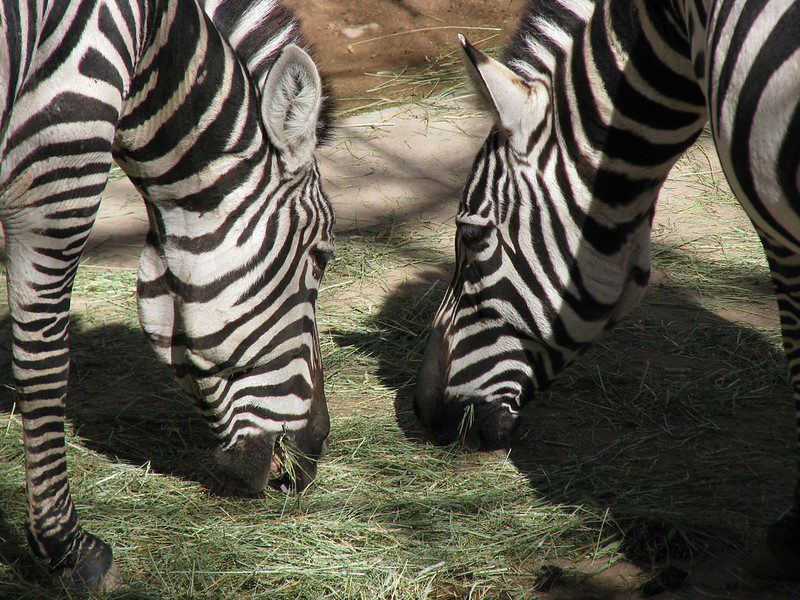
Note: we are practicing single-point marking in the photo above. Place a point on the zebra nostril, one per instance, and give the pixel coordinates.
(495, 423)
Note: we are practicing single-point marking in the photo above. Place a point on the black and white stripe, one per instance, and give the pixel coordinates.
(214, 115)
(594, 103)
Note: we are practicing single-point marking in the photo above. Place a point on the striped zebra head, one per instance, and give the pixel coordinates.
(527, 295)
(231, 303)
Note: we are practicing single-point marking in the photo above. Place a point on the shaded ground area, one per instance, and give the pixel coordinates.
(678, 423)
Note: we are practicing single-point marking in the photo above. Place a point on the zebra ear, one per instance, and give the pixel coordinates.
(517, 104)
(290, 103)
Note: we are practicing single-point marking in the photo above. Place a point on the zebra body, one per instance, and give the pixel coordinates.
(214, 114)
(594, 103)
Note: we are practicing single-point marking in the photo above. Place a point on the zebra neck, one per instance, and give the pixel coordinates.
(190, 133)
(626, 98)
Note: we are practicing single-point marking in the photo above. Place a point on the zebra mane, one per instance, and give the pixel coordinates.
(258, 30)
(548, 27)
(532, 49)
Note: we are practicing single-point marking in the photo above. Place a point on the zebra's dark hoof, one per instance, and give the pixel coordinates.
(778, 557)
(93, 570)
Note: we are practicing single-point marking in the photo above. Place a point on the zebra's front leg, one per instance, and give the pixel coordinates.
(41, 264)
(779, 555)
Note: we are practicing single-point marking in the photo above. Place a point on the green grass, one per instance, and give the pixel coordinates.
(387, 519)
(116, 172)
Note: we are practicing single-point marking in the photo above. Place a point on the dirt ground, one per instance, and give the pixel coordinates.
(357, 38)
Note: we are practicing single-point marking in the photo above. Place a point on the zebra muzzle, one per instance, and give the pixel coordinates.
(259, 461)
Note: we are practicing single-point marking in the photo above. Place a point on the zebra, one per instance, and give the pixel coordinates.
(593, 104)
(214, 112)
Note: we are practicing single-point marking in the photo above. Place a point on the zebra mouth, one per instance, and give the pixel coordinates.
(276, 468)
(285, 469)
(257, 462)
(280, 475)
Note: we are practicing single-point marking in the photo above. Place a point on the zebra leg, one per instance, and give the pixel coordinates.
(779, 555)
(42, 257)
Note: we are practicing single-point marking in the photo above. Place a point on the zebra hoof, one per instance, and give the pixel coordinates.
(94, 570)
(778, 557)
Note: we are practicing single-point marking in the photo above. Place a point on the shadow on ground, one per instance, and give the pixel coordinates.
(678, 424)
(117, 412)
(120, 413)
(14, 551)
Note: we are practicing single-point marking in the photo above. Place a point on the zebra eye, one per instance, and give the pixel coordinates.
(472, 234)
(321, 258)
(240, 372)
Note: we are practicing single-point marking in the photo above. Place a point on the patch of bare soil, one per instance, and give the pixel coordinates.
(357, 38)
